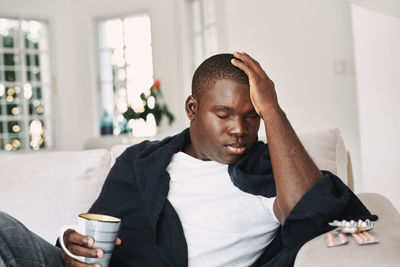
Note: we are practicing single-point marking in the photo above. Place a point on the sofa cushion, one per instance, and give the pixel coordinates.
(326, 148)
(48, 189)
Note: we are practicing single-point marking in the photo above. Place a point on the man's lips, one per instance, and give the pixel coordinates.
(236, 148)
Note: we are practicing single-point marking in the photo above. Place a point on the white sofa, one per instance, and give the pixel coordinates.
(45, 190)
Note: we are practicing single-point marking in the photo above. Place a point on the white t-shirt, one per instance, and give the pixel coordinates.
(223, 225)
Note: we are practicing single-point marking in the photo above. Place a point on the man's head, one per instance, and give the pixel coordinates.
(218, 67)
(223, 122)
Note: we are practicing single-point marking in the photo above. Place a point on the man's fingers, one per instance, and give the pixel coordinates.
(241, 65)
(78, 250)
(252, 70)
(71, 236)
(253, 76)
(71, 262)
(118, 241)
(243, 56)
(251, 63)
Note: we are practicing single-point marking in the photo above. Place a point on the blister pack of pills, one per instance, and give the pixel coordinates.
(364, 238)
(357, 229)
(352, 226)
(335, 238)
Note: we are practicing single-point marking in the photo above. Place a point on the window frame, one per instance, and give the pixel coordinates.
(202, 31)
(97, 50)
(47, 89)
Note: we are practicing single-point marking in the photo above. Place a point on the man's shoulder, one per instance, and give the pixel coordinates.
(135, 150)
(148, 147)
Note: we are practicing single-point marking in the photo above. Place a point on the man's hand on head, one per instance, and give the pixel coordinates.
(262, 89)
(294, 170)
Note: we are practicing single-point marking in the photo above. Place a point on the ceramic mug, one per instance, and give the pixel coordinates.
(102, 228)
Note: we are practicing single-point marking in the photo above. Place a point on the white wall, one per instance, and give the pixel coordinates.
(72, 37)
(306, 48)
(377, 53)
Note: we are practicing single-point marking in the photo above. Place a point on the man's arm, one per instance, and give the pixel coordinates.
(294, 171)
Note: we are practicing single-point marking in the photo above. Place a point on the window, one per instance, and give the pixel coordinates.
(126, 68)
(203, 29)
(25, 85)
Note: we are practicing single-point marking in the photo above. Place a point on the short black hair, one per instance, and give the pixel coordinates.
(215, 68)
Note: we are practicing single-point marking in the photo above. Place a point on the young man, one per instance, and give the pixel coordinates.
(213, 195)
(207, 196)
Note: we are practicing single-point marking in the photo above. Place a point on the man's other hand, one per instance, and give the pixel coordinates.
(81, 245)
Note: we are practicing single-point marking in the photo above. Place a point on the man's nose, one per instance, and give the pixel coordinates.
(238, 127)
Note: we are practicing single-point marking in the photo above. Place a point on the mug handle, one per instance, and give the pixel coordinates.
(61, 240)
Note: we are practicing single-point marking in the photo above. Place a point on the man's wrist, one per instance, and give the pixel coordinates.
(271, 112)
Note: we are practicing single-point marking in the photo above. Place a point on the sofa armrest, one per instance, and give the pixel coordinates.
(385, 253)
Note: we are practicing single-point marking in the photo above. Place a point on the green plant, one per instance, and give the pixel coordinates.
(152, 103)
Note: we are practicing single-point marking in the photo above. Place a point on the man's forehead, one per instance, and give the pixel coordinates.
(229, 96)
(234, 108)
(225, 87)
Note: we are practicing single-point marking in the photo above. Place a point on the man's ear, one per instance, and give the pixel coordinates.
(191, 107)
